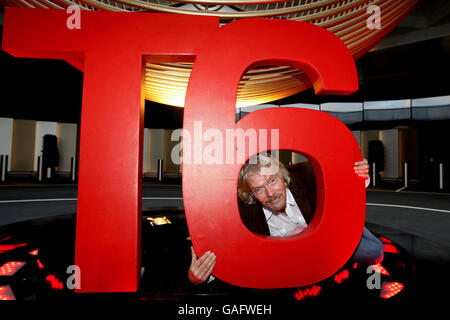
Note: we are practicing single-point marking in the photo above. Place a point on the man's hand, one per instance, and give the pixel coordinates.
(362, 169)
(202, 268)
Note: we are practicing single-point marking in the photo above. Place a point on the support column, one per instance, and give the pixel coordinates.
(67, 143)
(6, 136)
(155, 150)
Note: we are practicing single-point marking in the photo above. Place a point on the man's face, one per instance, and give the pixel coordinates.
(269, 190)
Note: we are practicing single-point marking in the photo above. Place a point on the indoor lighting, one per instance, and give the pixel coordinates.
(341, 276)
(380, 269)
(166, 83)
(390, 289)
(7, 247)
(6, 293)
(311, 291)
(156, 221)
(11, 267)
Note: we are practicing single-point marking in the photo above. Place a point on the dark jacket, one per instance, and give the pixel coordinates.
(303, 188)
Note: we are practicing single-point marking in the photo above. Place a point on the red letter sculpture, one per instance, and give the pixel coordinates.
(110, 48)
(210, 191)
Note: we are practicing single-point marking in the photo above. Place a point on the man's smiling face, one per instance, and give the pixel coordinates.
(269, 190)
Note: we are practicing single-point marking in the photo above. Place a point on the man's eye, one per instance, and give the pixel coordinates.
(257, 190)
(272, 180)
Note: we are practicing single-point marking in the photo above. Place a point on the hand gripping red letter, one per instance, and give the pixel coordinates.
(209, 190)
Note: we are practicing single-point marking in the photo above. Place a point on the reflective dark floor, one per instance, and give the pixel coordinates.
(35, 255)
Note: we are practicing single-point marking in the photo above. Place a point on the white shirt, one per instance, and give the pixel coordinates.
(283, 225)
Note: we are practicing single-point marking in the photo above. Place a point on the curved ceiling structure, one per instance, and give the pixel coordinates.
(348, 19)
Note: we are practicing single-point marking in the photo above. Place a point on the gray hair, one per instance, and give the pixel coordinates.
(266, 165)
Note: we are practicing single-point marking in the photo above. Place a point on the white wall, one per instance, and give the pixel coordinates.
(155, 149)
(6, 134)
(169, 166)
(22, 157)
(67, 144)
(390, 141)
(145, 165)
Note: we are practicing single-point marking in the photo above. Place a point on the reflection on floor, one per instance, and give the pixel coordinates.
(36, 259)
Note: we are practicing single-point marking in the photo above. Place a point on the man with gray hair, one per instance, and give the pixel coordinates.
(278, 201)
(271, 202)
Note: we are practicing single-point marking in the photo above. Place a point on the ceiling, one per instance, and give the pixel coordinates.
(412, 61)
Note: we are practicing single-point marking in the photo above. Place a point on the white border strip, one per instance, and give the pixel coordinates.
(180, 198)
(75, 199)
(37, 200)
(406, 207)
(420, 192)
(162, 198)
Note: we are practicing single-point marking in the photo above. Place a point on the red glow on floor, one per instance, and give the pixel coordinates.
(341, 276)
(390, 248)
(6, 293)
(380, 269)
(7, 238)
(40, 265)
(7, 247)
(385, 240)
(11, 267)
(390, 289)
(311, 291)
(54, 282)
(355, 265)
(34, 252)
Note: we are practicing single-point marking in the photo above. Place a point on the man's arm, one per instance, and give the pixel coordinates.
(201, 268)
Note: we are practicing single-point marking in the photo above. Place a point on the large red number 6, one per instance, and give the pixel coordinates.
(209, 190)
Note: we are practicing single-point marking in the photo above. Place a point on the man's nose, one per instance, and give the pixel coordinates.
(269, 191)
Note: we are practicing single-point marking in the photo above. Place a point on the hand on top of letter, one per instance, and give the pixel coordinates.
(201, 268)
(362, 168)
